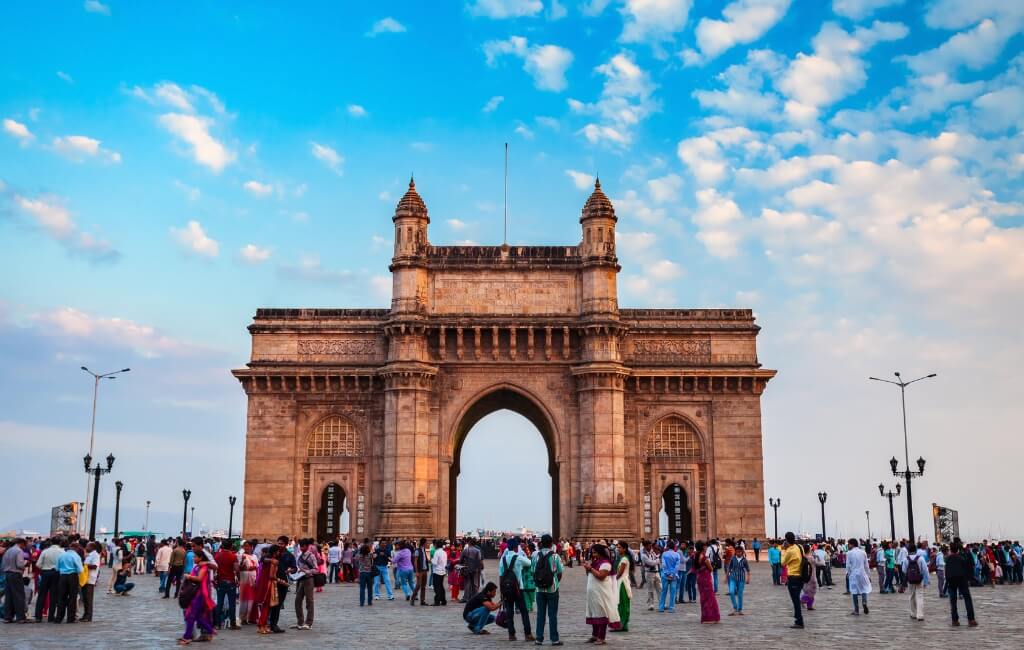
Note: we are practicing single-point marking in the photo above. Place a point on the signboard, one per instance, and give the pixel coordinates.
(947, 524)
(64, 518)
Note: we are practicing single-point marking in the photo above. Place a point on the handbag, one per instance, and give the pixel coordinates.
(83, 577)
(189, 589)
(319, 579)
(501, 620)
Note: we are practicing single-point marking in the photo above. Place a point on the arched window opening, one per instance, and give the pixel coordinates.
(673, 437)
(334, 436)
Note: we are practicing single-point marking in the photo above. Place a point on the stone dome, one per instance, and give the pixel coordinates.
(598, 204)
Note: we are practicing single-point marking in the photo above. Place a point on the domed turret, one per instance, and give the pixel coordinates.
(598, 219)
(411, 204)
(411, 219)
(597, 205)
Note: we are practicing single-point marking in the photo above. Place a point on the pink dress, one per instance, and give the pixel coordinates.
(708, 603)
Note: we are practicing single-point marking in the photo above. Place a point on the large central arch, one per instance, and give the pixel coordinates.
(517, 400)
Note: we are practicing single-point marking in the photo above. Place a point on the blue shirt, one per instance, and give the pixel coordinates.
(190, 561)
(669, 562)
(774, 555)
(69, 563)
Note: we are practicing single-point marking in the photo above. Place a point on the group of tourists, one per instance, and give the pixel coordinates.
(219, 585)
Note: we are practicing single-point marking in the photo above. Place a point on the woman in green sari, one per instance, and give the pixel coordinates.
(622, 574)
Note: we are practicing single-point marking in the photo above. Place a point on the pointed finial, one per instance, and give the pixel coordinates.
(597, 181)
(412, 182)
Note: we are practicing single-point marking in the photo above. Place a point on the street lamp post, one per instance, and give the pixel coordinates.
(117, 508)
(231, 515)
(184, 515)
(775, 503)
(192, 522)
(822, 497)
(145, 526)
(92, 428)
(867, 513)
(890, 495)
(96, 471)
(907, 474)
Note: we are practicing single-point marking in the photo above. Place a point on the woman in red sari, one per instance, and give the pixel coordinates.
(705, 586)
(200, 610)
(265, 595)
(454, 575)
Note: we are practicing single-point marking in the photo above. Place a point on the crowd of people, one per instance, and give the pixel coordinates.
(220, 585)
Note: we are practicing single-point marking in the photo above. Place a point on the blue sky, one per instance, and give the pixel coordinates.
(851, 170)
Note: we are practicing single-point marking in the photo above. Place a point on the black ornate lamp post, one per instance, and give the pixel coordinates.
(775, 503)
(184, 514)
(907, 474)
(96, 471)
(822, 497)
(145, 527)
(117, 508)
(192, 522)
(892, 517)
(231, 515)
(867, 513)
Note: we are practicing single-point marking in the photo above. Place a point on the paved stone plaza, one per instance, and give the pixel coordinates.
(144, 621)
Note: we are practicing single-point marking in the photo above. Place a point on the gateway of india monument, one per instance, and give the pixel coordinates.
(365, 411)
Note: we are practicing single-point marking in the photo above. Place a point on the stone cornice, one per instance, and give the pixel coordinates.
(308, 381)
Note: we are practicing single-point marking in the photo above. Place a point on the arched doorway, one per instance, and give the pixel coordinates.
(329, 518)
(503, 399)
(677, 516)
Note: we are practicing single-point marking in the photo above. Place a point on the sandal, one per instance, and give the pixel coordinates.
(184, 641)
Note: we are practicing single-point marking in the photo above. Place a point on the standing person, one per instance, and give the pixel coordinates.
(959, 568)
(775, 562)
(901, 562)
(651, 562)
(247, 568)
(177, 568)
(683, 572)
(307, 564)
(792, 557)
(92, 562)
(472, 564)
(547, 575)
(705, 586)
(880, 567)
(622, 574)
(227, 585)
(200, 607)
(348, 572)
(454, 570)
(265, 592)
(438, 571)
(46, 594)
(940, 569)
(738, 573)
(285, 567)
(714, 553)
(756, 545)
(162, 563)
(510, 571)
(810, 589)
(602, 595)
(477, 612)
(915, 571)
(404, 573)
(381, 561)
(422, 566)
(69, 566)
(13, 565)
(364, 564)
(858, 575)
(334, 562)
(669, 577)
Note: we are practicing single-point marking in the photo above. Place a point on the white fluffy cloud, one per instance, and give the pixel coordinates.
(254, 254)
(18, 131)
(144, 340)
(493, 103)
(745, 95)
(547, 64)
(52, 215)
(705, 155)
(80, 147)
(194, 131)
(973, 49)
(834, 70)
(194, 240)
(858, 9)
(719, 223)
(258, 189)
(500, 9)
(626, 100)
(328, 156)
(355, 110)
(96, 7)
(581, 180)
(653, 21)
(744, 21)
(665, 188)
(386, 25)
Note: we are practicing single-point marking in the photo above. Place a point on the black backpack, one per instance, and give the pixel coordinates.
(544, 575)
(805, 570)
(716, 559)
(509, 583)
(914, 576)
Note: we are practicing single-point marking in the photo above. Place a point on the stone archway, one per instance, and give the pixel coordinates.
(677, 507)
(328, 517)
(513, 399)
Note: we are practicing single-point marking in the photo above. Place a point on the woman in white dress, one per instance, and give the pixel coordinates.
(602, 594)
(857, 571)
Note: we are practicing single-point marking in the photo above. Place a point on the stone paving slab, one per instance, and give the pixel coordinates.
(142, 620)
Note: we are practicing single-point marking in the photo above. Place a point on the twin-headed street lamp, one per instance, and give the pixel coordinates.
(822, 497)
(907, 474)
(117, 508)
(889, 495)
(775, 503)
(96, 471)
(231, 516)
(92, 430)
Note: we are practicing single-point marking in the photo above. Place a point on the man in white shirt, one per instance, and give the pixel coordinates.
(917, 580)
(162, 563)
(92, 561)
(439, 569)
(901, 562)
(47, 565)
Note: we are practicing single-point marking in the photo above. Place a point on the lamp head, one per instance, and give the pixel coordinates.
(126, 369)
(932, 375)
(118, 485)
(110, 462)
(899, 488)
(893, 463)
(920, 464)
(897, 374)
(186, 494)
(88, 461)
(881, 489)
(231, 500)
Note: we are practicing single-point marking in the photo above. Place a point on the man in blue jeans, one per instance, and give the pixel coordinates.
(227, 586)
(669, 577)
(547, 594)
(477, 613)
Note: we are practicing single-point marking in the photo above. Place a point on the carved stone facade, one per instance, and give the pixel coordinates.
(371, 406)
